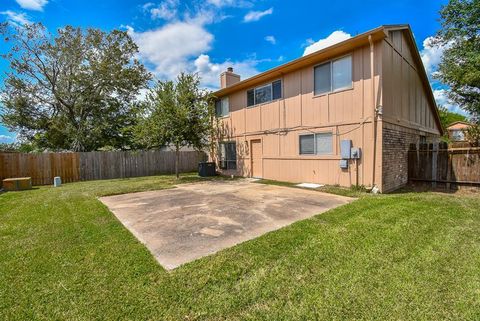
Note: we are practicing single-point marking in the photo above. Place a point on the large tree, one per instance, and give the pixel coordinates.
(74, 90)
(176, 114)
(460, 65)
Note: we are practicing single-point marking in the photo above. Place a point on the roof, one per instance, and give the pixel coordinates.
(460, 122)
(337, 49)
(317, 56)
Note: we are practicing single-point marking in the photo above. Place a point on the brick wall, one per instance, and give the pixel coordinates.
(396, 141)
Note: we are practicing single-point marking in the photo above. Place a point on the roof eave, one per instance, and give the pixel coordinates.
(315, 57)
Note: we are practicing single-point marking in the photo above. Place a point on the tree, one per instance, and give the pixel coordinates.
(447, 117)
(176, 114)
(73, 91)
(472, 134)
(460, 65)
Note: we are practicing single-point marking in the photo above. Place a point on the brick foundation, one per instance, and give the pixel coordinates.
(395, 155)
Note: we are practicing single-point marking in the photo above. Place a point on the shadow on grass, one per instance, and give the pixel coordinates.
(354, 191)
(427, 188)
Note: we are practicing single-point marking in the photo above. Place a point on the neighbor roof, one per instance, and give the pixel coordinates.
(459, 122)
(378, 33)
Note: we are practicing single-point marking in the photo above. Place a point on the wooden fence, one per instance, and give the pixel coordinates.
(444, 165)
(73, 167)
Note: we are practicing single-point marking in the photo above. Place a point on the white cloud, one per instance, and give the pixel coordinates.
(183, 42)
(333, 38)
(432, 55)
(271, 39)
(230, 3)
(166, 10)
(257, 15)
(442, 99)
(6, 139)
(17, 18)
(170, 47)
(210, 72)
(32, 4)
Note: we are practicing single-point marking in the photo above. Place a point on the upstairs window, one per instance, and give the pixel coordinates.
(264, 94)
(333, 76)
(316, 144)
(222, 107)
(227, 155)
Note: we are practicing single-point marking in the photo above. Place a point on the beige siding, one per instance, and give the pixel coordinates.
(346, 114)
(405, 100)
(408, 112)
(349, 114)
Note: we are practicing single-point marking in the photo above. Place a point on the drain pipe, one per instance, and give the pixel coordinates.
(374, 118)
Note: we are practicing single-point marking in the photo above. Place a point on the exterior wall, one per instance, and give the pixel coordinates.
(405, 100)
(407, 111)
(407, 114)
(348, 114)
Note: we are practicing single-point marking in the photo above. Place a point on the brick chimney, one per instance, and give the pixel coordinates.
(228, 78)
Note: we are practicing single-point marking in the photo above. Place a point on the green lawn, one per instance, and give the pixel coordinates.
(409, 256)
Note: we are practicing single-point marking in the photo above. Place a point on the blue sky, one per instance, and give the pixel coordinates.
(252, 36)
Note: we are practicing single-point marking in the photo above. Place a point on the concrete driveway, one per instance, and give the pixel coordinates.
(194, 220)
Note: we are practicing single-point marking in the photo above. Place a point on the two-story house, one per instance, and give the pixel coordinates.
(343, 115)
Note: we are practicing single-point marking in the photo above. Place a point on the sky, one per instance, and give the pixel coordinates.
(250, 35)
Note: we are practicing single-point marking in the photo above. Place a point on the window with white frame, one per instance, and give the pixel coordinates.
(264, 93)
(333, 76)
(458, 135)
(222, 107)
(227, 155)
(316, 144)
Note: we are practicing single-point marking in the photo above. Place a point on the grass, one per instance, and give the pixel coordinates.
(409, 256)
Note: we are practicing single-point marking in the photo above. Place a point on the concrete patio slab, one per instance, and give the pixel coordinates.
(190, 221)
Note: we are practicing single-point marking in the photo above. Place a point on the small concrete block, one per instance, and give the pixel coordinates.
(309, 185)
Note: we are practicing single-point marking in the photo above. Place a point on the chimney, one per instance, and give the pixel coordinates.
(228, 78)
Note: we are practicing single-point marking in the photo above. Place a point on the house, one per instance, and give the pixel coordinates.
(343, 115)
(456, 130)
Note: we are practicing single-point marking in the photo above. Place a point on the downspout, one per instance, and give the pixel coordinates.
(374, 118)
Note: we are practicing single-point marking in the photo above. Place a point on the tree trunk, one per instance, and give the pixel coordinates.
(177, 161)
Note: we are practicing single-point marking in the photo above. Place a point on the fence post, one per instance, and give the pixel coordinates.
(434, 164)
(449, 170)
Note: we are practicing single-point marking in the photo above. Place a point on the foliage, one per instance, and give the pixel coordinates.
(17, 147)
(72, 91)
(472, 134)
(8, 147)
(408, 256)
(448, 117)
(460, 65)
(177, 114)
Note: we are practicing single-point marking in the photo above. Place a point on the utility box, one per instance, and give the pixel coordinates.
(344, 164)
(57, 181)
(345, 146)
(206, 169)
(355, 153)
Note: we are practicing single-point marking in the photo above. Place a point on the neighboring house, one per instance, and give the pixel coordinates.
(289, 123)
(456, 130)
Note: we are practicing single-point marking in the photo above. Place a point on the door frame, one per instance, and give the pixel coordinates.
(255, 141)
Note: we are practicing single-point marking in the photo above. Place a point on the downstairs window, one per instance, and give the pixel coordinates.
(227, 155)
